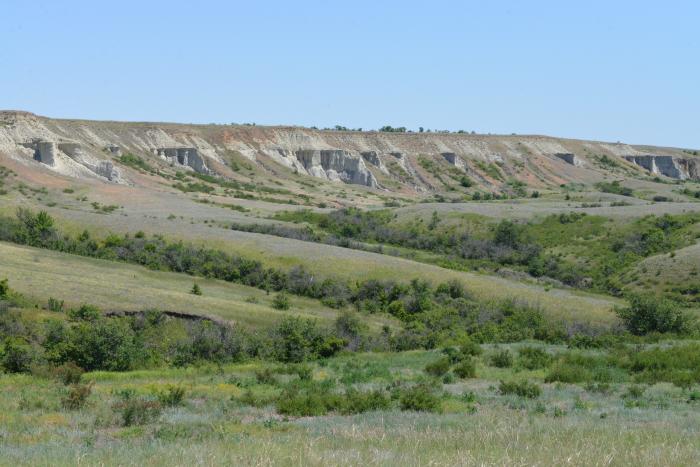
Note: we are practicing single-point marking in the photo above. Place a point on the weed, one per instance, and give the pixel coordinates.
(77, 396)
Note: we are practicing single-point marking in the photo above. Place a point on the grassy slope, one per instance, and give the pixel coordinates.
(116, 286)
(152, 217)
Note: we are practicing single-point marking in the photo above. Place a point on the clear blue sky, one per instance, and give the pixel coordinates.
(609, 70)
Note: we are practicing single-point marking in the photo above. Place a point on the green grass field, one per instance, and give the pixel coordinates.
(566, 424)
(114, 286)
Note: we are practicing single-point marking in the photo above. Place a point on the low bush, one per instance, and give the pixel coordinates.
(533, 358)
(135, 409)
(420, 398)
(68, 373)
(281, 301)
(55, 305)
(172, 396)
(465, 369)
(438, 367)
(77, 396)
(358, 402)
(313, 401)
(469, 348)
(265, 376)
(502, 359)
(523, 389)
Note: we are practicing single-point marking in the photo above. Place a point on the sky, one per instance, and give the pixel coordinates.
(605, 70)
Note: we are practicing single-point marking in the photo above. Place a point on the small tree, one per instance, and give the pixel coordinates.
(196, 290)
(647, 313)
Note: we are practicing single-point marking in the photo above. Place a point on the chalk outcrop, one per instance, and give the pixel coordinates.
(336, 165)
(186, 157)
(454, 160)
(570, 158)
(672, 167)
(69, 157)
(44, 151)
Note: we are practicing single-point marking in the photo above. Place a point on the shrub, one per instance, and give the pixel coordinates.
(84, 313)
(678, 364)
(469, 348)
(564, 372)
(533, 358)
(16, 355)
(4, 289)
(77, 396)
(105, 344)
(502, 359)
(196, 289)
(438, 367)
(265, 376)
(172, 396)
(358, 402)
(136, 410)
(465, 369)
(523, 389)
(304, 372)
(647, 313)
(314, 401)
(281, 301)
(420, 398)
(68, 373)
(298, 339)
(55, 305)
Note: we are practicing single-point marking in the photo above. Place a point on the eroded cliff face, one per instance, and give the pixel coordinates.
(183, 157)
(336, 165)
(680, 168)
(407, 162)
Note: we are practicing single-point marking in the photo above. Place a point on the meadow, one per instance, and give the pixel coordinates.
(231, 414)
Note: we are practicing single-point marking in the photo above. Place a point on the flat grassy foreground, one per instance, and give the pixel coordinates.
(230, 415)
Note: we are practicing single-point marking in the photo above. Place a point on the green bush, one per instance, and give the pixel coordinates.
(84, 313)
(135, 409)
(265, 376)
(469, 348)
(523, 389)
(16, 355)
(465, 369)
(105, 344)
(68, 373)
(533, 358)
(196, 289)
(55, 305)
(502, 359)
(298, 339)
(420, 398)
(281, 301)
(567, 373)
(438, 367)
(313, 401)
(358, 402)
(172, 396)
(4, 289)
(647, 313)
(678, 364)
